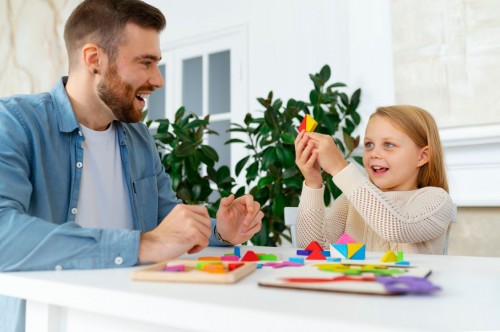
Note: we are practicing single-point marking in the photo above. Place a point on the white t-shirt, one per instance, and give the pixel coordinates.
(103, 201)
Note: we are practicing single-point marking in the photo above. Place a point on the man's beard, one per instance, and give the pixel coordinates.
(119, 96)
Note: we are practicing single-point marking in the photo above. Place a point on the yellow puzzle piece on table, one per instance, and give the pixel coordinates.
(389, 257)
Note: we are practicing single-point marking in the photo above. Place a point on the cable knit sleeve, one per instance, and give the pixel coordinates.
(403, 217)
(311, 222)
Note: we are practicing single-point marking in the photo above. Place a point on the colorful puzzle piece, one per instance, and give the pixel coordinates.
(405, 263)
(234, 266)
(389, 257)
(209, 258)
(308, 124)
(237, 251)
(267, 257)
(250, 256)
(316, 255)
(354, 251)
(174, 268)
(230, 258)
(345, 239)
(302, 252)
(296, 260)
(314, 245)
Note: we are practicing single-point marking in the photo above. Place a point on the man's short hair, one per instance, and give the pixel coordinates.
(103, 21)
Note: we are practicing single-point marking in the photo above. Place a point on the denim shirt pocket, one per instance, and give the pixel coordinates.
(146, 195)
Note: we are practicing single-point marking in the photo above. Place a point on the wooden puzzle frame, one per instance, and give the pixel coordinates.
(360, 287)
(192, 274)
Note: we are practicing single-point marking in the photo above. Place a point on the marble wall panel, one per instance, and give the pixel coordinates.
(32, 52)
(447, 58)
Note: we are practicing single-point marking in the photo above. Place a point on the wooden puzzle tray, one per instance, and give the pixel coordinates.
(191, 273)
(310, 278)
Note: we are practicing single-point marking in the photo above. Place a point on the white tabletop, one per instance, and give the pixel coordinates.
(469, 299)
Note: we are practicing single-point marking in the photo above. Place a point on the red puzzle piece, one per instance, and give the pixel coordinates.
(316, 255)
(314, 245)
(250, 256)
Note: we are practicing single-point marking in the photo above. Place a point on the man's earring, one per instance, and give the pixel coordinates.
(95, 71)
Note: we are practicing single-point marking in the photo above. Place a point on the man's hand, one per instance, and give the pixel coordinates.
(238, 219)
(185, 229)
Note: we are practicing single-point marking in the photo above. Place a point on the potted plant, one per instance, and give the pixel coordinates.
(270, 171)
(191, 163)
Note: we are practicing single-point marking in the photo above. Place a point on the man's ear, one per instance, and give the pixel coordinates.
(92, 57)
(423, 157)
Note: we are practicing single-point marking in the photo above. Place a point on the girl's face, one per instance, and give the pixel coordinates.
(390, 157)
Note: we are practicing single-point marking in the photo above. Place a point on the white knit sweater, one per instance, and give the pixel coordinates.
(415, 221)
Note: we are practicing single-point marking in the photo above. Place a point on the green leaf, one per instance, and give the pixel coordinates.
(325, 73)
(344, 99)
(264, 181)
(355, 99)
(224, 175)
(359, 160)
(278, 205)
(205, 159)
(240, 165)
(180, 113)
(314, 97)
(356, 117)
(185, 149)
(271, 118)
(277, 104)
(288, 138)
(285, 156)
(269, 157)
(293, 183)
(336, 85)
(234, 140)
(210, 152)
(349, 126)
(349, 143)
(196, 123)
(252, 171)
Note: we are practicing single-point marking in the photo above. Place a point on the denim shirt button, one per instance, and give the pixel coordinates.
(118, 260)
(79, 132)
(74, 210)
(79, 164)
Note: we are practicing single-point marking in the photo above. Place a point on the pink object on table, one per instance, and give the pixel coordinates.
(230, 258)
(345, 239)
(276, 265)
(174, 268)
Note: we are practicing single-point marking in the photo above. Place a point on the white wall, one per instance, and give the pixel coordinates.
(369, 45)
(289, 39)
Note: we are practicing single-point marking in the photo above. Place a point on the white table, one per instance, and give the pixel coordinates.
(108, 300)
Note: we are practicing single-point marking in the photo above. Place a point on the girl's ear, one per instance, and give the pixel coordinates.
(423, 157)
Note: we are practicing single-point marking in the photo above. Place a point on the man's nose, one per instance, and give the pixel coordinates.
(157, 79)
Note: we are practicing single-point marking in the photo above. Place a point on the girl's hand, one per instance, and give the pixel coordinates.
(306, 160)
(329, 156)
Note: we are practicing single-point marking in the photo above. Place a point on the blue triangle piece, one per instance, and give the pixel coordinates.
(342, 248)
(360, 254)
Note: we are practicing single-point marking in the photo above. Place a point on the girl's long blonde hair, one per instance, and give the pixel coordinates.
(420, 126)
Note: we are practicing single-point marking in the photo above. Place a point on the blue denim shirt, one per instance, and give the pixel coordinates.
(40, 173)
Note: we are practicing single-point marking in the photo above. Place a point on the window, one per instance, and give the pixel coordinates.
(207, 75)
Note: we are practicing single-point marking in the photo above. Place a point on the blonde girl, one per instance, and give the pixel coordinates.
(403, 204)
